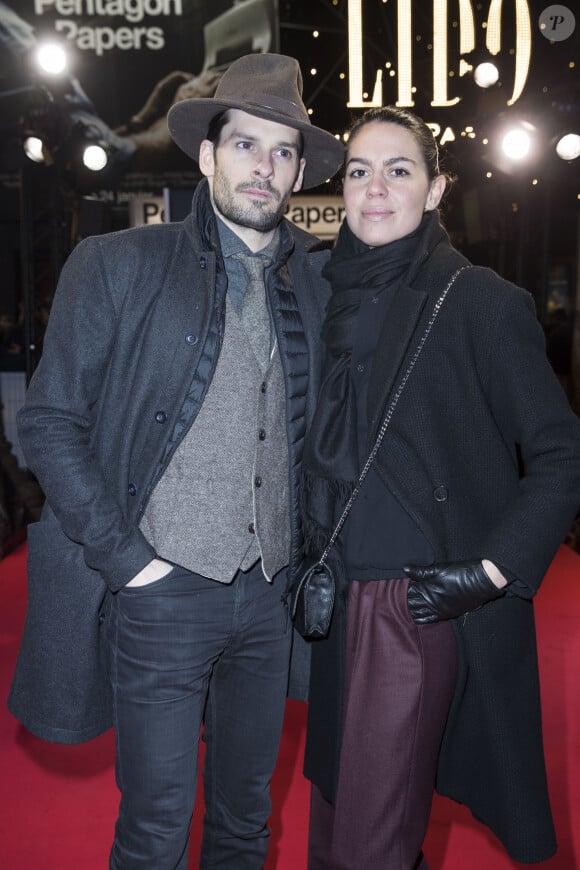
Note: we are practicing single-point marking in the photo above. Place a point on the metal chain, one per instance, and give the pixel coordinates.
(388, 415)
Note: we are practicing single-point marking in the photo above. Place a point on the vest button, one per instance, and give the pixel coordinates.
(132, 489)
(258, 480)
(441, 493)
(262, 434)
(251, 529)
(263, 387)
(161, 417)
(203, 262)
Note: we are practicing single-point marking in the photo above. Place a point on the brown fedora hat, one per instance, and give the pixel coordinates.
(270, 87)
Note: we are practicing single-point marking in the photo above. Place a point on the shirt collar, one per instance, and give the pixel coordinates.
(232, 244)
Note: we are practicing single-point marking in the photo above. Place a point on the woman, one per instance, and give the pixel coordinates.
(429, 673)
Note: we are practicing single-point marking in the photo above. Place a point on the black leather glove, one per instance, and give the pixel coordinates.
(448, 589)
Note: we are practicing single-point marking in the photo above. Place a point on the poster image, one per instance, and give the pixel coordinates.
(129, 61)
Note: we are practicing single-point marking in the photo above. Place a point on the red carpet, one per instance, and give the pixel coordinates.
(58, 803)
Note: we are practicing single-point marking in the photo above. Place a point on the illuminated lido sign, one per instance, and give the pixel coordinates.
(358, 98)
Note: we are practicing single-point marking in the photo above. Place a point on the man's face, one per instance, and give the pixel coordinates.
(252, 173)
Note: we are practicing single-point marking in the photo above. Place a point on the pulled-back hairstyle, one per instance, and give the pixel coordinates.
(416, 126)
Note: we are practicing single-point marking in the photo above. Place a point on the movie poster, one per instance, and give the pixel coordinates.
(129, 61)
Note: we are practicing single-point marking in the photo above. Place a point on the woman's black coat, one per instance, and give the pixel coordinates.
(483, 452)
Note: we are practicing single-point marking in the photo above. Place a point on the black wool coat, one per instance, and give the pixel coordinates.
(483, 452)
(131, 346)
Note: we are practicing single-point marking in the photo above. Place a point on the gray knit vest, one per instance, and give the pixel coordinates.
(223, 501)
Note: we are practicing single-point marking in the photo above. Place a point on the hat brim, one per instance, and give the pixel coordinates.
(188, 122)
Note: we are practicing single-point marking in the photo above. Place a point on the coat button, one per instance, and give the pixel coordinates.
(262, 434)
(101, 618)
(191, 339)
(251, 529)
(258, 480)
(132, 489)
(263, 387)
(161, 417)
(203, 262)
(441, 493)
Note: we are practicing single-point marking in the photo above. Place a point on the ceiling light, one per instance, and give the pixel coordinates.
(95, 157)
(34, 149)
(486, 75)
(51, 58)
(568, 146)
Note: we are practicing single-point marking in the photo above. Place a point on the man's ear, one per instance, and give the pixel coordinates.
(300, 176)
(207, 158)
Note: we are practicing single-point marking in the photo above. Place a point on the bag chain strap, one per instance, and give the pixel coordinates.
(387, 419)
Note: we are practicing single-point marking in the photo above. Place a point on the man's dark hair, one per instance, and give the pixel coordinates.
(216, 125)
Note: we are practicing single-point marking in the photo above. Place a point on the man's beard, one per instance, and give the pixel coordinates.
(263, 217)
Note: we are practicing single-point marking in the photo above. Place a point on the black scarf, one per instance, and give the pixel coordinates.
(331, 461)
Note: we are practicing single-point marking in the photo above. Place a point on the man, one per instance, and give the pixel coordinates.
(165, 424)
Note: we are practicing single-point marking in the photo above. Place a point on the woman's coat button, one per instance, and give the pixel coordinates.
(441, 493)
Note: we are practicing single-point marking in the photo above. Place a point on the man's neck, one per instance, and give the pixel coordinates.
(256, 240)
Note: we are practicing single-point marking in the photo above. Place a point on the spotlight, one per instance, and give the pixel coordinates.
(486, 75)
(95, 157)
(568, 146)
(51, 58)
(516, 143)
(34, 149)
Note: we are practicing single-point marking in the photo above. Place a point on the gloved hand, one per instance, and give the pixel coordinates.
(448, 589)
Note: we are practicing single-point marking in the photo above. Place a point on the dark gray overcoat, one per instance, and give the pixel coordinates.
(483, 452)
(131, 346)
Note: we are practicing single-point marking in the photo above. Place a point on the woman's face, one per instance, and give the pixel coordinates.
(386, 185)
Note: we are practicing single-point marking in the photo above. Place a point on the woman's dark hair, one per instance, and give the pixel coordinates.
(416, 126)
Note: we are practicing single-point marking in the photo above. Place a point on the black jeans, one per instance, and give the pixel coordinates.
(185, 650)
